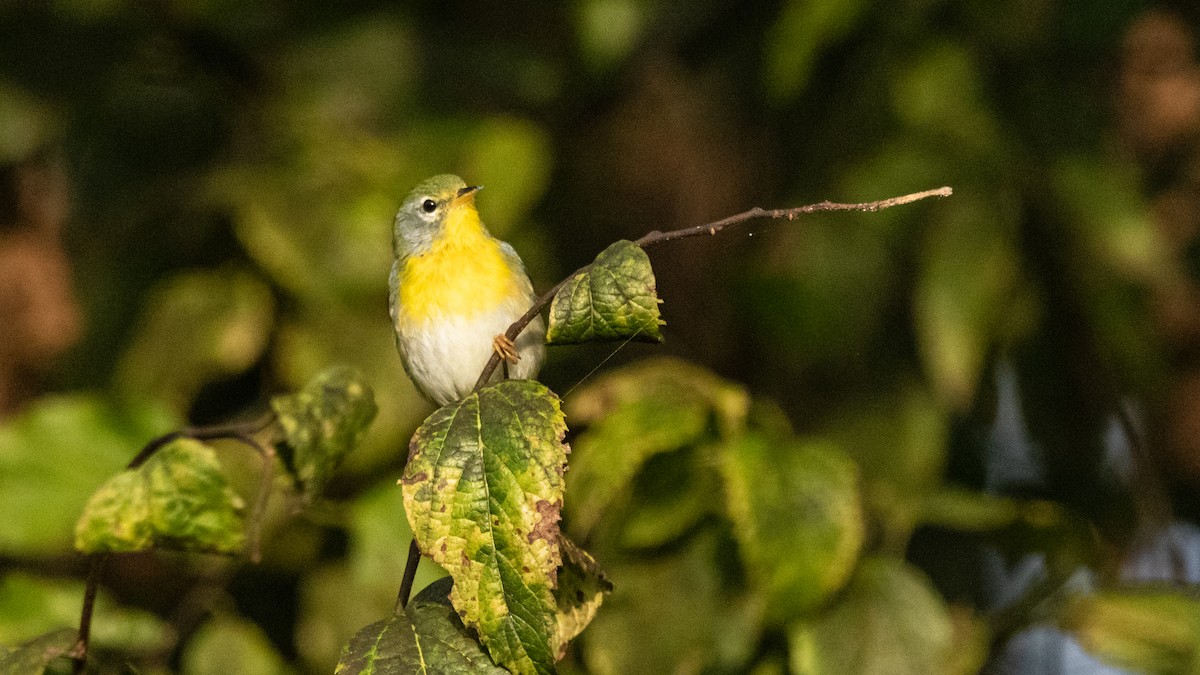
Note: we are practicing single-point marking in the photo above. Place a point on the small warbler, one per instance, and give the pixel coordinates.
(454, 290)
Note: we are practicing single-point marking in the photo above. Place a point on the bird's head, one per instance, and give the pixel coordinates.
(427, 212)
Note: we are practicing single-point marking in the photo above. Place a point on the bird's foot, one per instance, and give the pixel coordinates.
(505, 348)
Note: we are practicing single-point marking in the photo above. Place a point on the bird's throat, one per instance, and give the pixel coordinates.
(463, 273)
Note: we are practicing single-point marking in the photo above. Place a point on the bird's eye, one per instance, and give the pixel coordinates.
(429, 206)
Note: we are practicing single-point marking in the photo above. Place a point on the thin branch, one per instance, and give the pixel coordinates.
(152, 447)
(240, 431)
(410, 573)
(787, 214)
(80, 650)
(656, 237)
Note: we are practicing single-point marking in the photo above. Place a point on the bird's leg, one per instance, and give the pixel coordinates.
(505, 348)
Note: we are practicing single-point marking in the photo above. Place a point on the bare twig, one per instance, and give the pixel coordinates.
(80, 650)
(240, 431)
(656, 237)
(787, 214)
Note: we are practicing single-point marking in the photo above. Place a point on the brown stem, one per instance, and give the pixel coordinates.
(656, 237)
(410, 573)
(240, 431)
(80, 651)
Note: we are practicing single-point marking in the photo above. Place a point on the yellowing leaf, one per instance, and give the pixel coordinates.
(615, 298)
(324, 422)
(582, 586)
(798, 516)
(177, 499)
(483, 488)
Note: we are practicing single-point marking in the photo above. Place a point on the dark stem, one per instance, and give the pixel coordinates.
(410, 573)
(152, 447)
(80, 651)
(240, 431)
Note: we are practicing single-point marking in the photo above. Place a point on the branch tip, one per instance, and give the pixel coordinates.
(657, 236)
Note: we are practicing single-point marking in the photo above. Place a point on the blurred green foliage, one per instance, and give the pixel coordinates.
(233, 169)
(177, 499)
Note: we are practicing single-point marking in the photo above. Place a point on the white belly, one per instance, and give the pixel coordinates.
(444, 357)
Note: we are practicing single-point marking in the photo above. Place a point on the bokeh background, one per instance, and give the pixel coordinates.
(195, 210)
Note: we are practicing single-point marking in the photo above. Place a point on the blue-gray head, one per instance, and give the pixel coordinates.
(423, 214)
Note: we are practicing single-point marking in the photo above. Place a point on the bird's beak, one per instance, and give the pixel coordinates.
(466, 195)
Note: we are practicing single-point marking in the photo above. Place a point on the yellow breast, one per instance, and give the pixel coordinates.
(463, 273)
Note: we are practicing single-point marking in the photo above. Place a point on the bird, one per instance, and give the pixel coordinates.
(454, 290)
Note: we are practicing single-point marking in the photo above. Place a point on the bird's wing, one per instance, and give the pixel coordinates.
(514, 261)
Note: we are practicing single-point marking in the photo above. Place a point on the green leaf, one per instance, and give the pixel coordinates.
(427, 637)
(614, 298)
(32, 657)
(483, 489)
(197, 327)
(1105, 202)
(671, 494)
(228, 644)
(177, 499)
(608, 31)
(1149, 630)
(670, 614)
(42, 487)
(28, 123)
(339, 598)
(797, 516)
(967, 119)
(656, 406)
(582, 586)
(324, 422)
(373, 555)
(888, 622)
